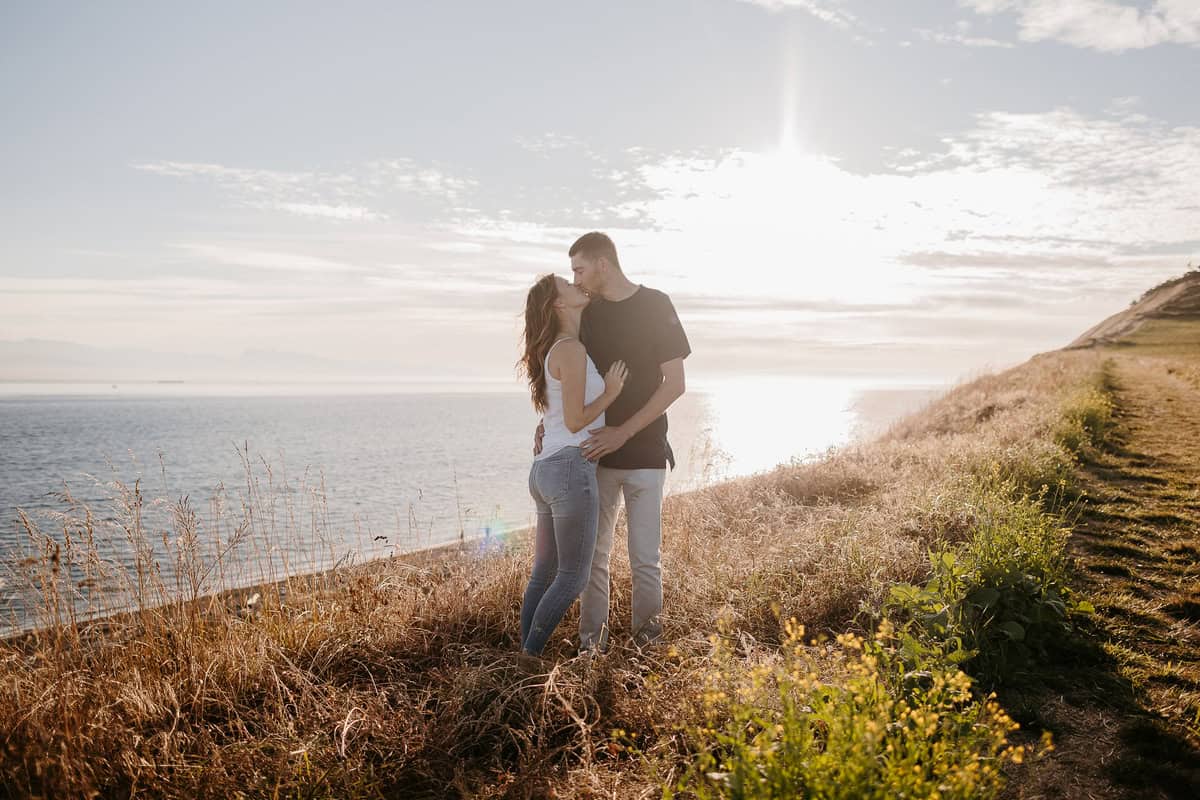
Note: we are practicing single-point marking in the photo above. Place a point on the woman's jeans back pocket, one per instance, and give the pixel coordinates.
(551, 476)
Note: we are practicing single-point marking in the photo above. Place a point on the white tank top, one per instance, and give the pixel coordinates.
(557, 436)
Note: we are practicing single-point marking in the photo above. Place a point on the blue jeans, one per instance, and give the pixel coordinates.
(563, 486)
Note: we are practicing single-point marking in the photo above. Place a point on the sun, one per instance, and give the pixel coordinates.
(783, 223)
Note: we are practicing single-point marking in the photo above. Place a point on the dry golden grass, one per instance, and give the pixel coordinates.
(399, 678)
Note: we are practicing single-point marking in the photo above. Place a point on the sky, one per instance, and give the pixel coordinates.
(915, 191)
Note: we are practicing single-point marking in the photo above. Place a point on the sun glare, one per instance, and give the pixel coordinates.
(760, 423)
(783, 223)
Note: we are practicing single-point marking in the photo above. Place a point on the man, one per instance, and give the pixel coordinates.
(638, 325)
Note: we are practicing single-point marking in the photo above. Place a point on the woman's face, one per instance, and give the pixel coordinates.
(570, 295)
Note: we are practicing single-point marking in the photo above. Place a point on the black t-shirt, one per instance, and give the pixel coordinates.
(643, 331)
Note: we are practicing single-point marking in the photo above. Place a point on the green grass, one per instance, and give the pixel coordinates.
(1178, 338)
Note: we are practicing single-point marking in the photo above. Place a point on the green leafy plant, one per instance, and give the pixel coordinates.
(997, 602)
(863, 726)
(1086, 417)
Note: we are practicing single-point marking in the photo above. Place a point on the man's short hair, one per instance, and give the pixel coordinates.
(593, 245)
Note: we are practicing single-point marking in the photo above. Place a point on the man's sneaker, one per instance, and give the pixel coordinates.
(592, 652)
(647, 642)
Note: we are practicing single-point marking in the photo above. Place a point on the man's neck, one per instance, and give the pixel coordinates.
(619, 289)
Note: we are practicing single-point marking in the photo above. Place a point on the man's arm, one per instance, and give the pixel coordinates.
(610, 439)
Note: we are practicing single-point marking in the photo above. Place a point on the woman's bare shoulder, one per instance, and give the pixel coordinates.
(565, 352)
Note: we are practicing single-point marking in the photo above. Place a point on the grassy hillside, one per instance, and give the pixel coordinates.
(1126, 700)
(869, 624)
(1175, 300)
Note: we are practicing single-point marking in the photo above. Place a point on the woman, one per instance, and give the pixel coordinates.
(569, 392)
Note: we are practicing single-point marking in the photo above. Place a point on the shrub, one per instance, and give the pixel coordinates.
(1087, 416)
(996, 602)
(869, 729)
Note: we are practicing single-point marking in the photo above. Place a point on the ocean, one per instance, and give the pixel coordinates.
(289, 479)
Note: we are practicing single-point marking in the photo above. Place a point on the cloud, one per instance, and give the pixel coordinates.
(360, 192)
(457, 247)
(1017, 214)
(1100, 24)
(1019, 217)
(1060, 176)
(764, 304)
(159, 288)
(389, 174)
(548, 180)
(701, 304)
(340, 211)
(551, 142)
(830, 12)
(242, 256)
(960, 35)
(355, 313)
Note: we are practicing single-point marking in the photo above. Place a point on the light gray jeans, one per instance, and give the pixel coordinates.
(643, 493)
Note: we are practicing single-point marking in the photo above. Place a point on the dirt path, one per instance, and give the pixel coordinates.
(1125, 706)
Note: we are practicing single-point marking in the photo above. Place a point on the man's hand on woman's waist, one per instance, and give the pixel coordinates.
(603, 441)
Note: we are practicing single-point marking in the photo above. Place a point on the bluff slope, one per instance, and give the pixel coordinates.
(1176, 299)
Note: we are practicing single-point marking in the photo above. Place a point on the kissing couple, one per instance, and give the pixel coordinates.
(601, 439)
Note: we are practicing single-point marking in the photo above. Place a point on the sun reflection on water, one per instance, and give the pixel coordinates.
(742, 426)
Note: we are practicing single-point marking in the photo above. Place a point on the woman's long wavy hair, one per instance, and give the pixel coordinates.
(541, 329)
